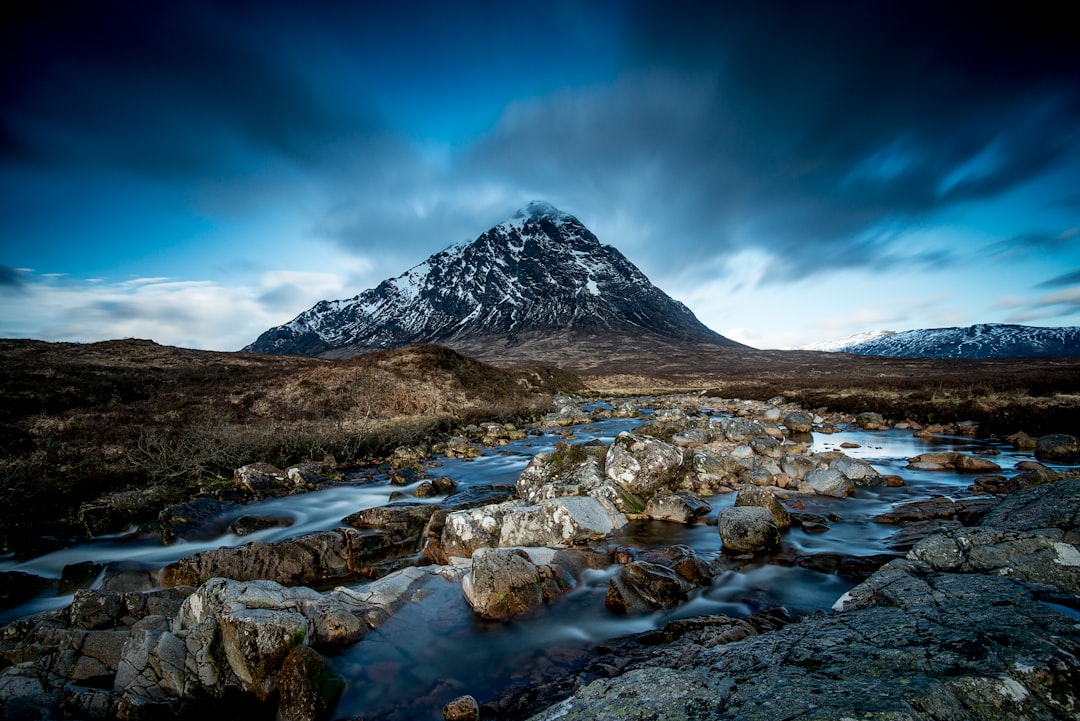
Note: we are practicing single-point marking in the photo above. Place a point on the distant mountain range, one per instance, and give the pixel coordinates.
(985, 340)
(539, 275)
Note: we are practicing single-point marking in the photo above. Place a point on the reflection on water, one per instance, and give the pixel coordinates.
(434, 650)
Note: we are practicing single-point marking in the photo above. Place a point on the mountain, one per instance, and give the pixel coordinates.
(986, 340)
(538, 278)
(842, 344)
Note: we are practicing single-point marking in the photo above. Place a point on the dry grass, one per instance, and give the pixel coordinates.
(81, 421)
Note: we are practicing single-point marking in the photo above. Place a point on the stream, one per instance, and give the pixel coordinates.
(435, 650)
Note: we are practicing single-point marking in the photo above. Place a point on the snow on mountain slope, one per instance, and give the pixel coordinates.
(842, 344)
(986, 340)
(539, 271)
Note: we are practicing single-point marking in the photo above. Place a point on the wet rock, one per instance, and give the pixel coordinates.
(566, 415)
(933, 508)
(855, 568)
(1051, 509)
(117, 511)
(308, 688)
(573, 471)
(476, 496)
(680, 507)
(871, 421)
(570, 520)
(799, 422)
(246, 525)
(303, 560)
(740, 430)
(401, 524)
(627, 409)
(641, 464)
(73, 577)
(797, 466)
(376, 601)
(467, 530)
(748, 529)
(262, 480)
(1059, 447)
(764, 498)
(952, 461)
(913, 532)
(656, 578)
(199, 519)
(1014, 554)
(828, 482)
(463, 708)
(505, 584)
(17, 587)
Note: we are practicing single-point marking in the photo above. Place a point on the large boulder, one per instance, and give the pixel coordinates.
(748, 529)
(764, 498)
(201, 518)
(573, 471)
(504, 583)
(642, 464)
(799, 422)
(657, 578)
(828, 481)
(1051, 510)
(1058, 447)
(680, 507)
(561, 521)
(740, 430)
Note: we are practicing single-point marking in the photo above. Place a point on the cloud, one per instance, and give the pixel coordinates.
(11, 278)
(1070, 278)
(194, 314)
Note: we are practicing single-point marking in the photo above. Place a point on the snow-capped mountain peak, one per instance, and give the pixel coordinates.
(984, 340)
(539, 272)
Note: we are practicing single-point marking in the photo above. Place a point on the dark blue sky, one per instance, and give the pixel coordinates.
(791, 171)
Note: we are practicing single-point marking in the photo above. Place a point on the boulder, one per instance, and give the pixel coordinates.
(199, 519)
(680, 507)
(262, 480)
(463, 708)
(797, 466)
(560, 521)
(1059, 447)
(871, 421)
(641, 464)
(656, 578)
(246, 525)
(748, 529)
(1051, 509)
(308, 688)
(505, 584)
(739, 430)
(573, 471)
(763, 498)
(466, 530)
(952, 460)
(799, 422)
(858, 471)
(828, 482)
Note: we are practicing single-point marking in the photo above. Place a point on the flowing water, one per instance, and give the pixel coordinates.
(434, 650)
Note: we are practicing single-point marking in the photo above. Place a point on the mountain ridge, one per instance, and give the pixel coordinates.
(979, 341)
(539, 273)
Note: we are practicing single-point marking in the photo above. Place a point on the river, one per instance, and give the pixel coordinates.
(435, 650)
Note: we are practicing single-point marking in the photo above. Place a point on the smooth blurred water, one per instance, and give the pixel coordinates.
(434, 650)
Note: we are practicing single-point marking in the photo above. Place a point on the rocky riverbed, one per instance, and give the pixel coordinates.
(672, 558)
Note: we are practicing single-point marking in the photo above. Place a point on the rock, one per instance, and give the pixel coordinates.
(1022, 441)
(680, 507)
(1013, 554)
(295, 561)
(871, 421)
(797, 466)
(799, 422)
(628, 409)
(1059, 447)
(952, 460)
(463, 708)
(246, 525)
(567, 415)
(17, 587)
(117, 511)
(858, 471)
(309, 476)
(256, 643)
(199, 519)
(762, 498)
(505, 584)
(72, 578)
(691, 437)
(262, 480)
(308, 688)
(573, 471)
(768, 447)
(560, 521)
(740, 430)
(911, 533)
(641, 464)
(748, 529)
(657, 578)
(908, 644)
(401, 524)
(1051, 509)
(828, 482)
(933, 508)
(469, 529)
